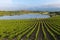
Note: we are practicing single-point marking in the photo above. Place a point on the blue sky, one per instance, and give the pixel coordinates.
(23, 4)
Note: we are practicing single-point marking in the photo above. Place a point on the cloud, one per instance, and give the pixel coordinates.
(52, 5)
(5, 1)
(24, 4)
(8, 5)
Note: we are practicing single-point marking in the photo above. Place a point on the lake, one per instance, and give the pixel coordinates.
(25, 16)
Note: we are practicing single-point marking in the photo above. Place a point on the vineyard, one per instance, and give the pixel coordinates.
(31, 29)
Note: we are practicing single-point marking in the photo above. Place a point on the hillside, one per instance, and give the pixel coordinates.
(19, 12)
(2, 13)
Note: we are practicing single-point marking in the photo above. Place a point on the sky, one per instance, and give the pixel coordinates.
(24, 4)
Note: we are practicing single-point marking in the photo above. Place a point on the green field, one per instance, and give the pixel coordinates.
(11, 13)
(30, 29)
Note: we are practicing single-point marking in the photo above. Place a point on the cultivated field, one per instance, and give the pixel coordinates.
(31, 29)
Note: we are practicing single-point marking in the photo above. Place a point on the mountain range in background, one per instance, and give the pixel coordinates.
(49, 8)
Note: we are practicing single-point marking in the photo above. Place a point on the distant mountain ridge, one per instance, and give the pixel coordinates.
(49, 8)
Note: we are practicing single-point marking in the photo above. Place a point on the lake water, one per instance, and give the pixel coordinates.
(25, 16)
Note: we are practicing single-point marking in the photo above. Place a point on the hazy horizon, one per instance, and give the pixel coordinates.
(25, 4)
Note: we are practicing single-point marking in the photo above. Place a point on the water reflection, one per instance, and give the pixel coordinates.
(25, 16)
